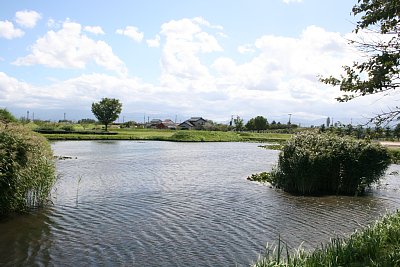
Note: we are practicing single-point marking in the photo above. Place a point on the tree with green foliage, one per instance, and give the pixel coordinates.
(380, 72)
(250, 126)
(107, 110)
(238, 124)
(396, 131)
(6, 116)
(260, 123)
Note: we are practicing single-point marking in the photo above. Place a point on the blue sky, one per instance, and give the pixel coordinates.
(186, 58)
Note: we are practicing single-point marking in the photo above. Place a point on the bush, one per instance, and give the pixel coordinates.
(6, 116)
(27, 171)
(313, 163)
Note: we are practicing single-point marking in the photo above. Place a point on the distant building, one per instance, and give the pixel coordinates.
(153, 123)
(167, 124)
(194, 123)
(159, 124)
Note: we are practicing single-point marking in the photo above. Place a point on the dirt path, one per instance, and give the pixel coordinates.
(390, 144)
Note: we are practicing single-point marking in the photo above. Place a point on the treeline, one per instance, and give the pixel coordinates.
(260, 124)
(363, 132)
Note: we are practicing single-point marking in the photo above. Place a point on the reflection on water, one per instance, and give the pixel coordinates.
(126, 203)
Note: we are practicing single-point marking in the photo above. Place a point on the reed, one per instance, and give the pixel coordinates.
(376, 245)
(314, 164)
(27, 171)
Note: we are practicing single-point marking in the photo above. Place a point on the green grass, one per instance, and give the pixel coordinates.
(27, 170)
(376, 245)
(176, 136)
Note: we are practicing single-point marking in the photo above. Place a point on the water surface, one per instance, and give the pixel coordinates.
(124, 203)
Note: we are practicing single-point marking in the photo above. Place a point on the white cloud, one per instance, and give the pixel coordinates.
(69, 48)
(292, 1)
(27, 18)
(279, 76)
(154, 42)
(247, 48)
(8, 31)
(131, 32)
(94, 29)
(185, 41)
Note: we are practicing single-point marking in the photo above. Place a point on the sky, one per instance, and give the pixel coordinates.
(177, 59)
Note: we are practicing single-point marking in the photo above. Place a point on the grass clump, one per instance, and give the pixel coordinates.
(376, 245)
(27, 171)
(313, 164)
(205, 136)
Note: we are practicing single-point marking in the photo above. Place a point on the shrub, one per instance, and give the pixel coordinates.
(6, 116)
(313, 163)
(27, 171)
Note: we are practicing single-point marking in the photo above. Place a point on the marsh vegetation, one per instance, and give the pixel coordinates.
(27, 171)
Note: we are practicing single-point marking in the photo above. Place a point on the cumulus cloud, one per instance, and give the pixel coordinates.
(27, 18)
(154, 42)
(278, 77)
(69, 48)
(8, 31)
(131, 32)
(185, 41)
(94, 29)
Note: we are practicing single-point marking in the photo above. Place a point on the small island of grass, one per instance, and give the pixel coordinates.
(318, 164)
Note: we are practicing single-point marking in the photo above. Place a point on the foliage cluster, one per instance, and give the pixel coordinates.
(379, 70)
(362, 132)
(6, 116)
(205, 136)
(377, 245)
(27, 171)
(260, 124)
(312, 163)
(107, 110)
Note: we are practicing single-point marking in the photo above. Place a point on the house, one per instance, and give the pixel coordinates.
(194, 123)
(153, 123)
(167, 124)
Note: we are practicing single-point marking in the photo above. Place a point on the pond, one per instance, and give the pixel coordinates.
(129, 203)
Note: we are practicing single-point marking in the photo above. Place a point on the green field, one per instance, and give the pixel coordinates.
(174, 135)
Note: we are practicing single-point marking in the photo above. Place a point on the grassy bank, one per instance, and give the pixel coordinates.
(172, 135)
(376, 245)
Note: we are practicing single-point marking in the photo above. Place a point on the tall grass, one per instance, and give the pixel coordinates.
(27, 171)
(205, 136)
(312, 163)
(376, 245)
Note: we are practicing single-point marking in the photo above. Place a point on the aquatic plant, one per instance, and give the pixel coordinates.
(312, 163)
(27, 171)
(376, 245)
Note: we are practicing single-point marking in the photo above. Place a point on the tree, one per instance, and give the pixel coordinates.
(380, 72)
(107, 110)
(397, 131)
(250, 126)
(260, 123)
(238, 124)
